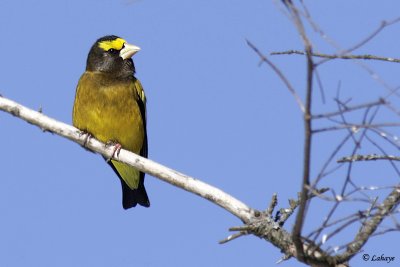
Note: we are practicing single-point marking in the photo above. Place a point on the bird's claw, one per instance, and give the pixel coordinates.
(88, 136)
(116, 151)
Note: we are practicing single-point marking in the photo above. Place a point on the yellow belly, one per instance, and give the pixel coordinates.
(110, 112)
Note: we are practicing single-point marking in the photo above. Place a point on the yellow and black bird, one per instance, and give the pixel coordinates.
(110, 104)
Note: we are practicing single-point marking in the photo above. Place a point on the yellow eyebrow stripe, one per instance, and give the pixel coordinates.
(116, 44)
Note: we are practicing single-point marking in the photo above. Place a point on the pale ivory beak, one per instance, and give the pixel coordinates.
(128, 51)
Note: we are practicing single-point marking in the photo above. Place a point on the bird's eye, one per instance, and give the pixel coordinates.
(112, 50)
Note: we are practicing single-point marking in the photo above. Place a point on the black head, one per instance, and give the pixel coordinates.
(112, 54)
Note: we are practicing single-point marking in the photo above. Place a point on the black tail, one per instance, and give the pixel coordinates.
(130, 198)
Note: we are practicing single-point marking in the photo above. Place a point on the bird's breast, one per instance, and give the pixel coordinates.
(110, 112)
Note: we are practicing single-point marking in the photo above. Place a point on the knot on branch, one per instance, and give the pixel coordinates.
(263, 223)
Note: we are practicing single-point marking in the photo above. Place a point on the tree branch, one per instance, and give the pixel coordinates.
(368, 227)
(278, 72)
(338, 56)
(256, 222)
(368, 158)
(190, 184)
(307, 118)
(345, 109)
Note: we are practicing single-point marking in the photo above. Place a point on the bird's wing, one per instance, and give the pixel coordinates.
(140, 195)
(142, 106)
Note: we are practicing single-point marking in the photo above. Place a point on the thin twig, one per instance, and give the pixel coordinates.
(272, 204)
(293, 204)
(384, 152)
(356, 127)
(368, 158)
(346, 108)
(233, 237)
(279, 73)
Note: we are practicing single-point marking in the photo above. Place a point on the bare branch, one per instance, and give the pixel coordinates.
(296, 233)
(279, 73)
(190, 184)
(255, 222)
(349, 109)
(293, 204)
(368, 158)
(356, 127)
(369, 227)
(337, 56)
(272, 205)
(233, 237)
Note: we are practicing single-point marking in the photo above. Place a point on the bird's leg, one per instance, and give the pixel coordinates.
(117, 148)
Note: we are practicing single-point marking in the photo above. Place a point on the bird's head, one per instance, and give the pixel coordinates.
(112, 54)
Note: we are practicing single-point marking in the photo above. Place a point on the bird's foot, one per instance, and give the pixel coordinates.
(117, 148)
(88, 136)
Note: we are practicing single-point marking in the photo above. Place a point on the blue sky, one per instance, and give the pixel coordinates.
(213, 113)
